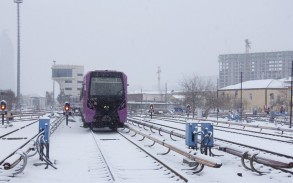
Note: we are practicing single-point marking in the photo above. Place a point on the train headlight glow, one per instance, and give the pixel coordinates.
(106, 107)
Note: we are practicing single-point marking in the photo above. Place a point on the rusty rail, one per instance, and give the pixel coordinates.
(199, 158)
(277, 163)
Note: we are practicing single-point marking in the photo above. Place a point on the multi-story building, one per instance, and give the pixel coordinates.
(69, 78)
(254, 66)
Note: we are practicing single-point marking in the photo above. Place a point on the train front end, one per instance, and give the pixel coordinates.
(106, 104)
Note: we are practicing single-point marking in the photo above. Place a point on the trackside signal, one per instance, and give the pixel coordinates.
(67, 111)
(152, 110)
(66, 106)
(3, 105)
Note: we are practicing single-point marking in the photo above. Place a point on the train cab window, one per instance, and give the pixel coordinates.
(101, 86)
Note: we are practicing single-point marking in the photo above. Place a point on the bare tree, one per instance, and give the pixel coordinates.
(49, 98)
(210, 96)
(199, 93)
(224, 101)
(9, 96)
(282, 98)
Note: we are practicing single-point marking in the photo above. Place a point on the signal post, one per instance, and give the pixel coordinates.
(152, 110)
(66, 111)
(3, 106)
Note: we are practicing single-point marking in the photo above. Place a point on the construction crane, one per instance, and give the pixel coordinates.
(247, 46)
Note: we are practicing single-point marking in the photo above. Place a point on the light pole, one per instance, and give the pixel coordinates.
(18, 54)
(241, 97)
(290, 126)
(217, 101)
(53, 86)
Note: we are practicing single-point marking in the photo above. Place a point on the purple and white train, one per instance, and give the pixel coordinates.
(104, 99)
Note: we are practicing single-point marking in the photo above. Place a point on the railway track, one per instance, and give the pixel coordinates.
(239, 145)
(20, 137)
(130, 162)
(2, 135)
(241, 131)
(230, 141)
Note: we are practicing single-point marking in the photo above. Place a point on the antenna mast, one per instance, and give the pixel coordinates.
(247, 46)
(159, 78)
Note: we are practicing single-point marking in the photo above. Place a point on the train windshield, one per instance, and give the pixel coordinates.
(102, 86)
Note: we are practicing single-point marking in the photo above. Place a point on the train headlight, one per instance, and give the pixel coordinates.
(3, 105)
(106, 107)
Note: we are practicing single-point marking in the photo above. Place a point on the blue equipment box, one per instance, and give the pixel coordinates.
(44, 125)
(191, 135)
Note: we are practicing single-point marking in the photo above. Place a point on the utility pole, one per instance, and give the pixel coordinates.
(18, 54)
(241, 97)
(166, 92)
(53, 87)
(291, 96)
(217, 100)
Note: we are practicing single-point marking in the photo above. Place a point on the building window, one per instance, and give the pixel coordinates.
(250, 96)
(272, 98)
(78, 74)
(61, 73)
(80, 82)
(78, 88)
(68, 81)
(68, 88)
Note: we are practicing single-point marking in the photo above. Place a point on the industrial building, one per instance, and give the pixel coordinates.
(254, 66)
(69, 78)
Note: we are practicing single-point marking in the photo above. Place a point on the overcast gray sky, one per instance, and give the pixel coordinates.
(136, 36)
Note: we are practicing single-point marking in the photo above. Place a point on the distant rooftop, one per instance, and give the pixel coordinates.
(258, 84)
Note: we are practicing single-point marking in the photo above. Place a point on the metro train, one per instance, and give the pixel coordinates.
(104, 99)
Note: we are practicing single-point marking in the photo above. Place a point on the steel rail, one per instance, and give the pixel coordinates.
(267, 138)
(252, 147)
(58, 120)
(258, 159)
(157, 159)
(281, 136)
(17, 129)
(103, 157)
(199, 158)
(252, 126)
(247, 125)
(271, 134)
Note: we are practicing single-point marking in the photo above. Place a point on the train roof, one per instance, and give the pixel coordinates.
(103, 71)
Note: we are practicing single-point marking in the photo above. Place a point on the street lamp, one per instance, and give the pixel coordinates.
(18, 54)
(53, 86)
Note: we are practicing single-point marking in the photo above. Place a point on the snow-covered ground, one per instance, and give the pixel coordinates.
(75, 154)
